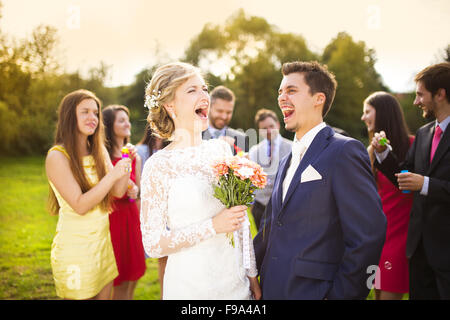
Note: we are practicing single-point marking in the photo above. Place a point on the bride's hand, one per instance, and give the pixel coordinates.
(255, 288)
(229, 220)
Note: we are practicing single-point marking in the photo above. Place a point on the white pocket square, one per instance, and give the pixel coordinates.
(310, 174)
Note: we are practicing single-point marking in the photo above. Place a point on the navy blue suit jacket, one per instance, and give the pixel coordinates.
(321, 240)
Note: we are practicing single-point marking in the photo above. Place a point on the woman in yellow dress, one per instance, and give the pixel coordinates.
(83, 182)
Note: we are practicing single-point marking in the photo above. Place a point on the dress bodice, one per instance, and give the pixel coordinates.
(177, 199)
(88, 163)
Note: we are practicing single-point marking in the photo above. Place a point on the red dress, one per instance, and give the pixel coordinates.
(125, 227)
(393, 266)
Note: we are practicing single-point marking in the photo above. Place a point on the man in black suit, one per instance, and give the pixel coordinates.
(220, 114)
(428, 163)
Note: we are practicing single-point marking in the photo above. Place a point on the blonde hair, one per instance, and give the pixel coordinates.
(164, 83)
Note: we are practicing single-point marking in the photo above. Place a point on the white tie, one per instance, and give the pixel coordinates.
(298, 150)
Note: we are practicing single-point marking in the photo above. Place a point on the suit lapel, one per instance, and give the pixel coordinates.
(317, 146)
(441, 149)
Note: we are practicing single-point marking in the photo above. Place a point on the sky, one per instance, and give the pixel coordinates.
(407, 35)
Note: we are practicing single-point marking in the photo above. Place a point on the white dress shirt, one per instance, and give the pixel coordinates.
(299, 148)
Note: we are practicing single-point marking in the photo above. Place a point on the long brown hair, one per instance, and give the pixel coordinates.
(66, 135)
(389, 118)
(109, 116)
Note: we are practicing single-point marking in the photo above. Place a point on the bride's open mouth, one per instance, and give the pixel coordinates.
(202, 112)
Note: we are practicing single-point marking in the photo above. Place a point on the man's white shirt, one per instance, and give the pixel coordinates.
(299, 148)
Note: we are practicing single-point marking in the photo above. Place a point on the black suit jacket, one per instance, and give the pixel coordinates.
(241, 140)
(430, 215)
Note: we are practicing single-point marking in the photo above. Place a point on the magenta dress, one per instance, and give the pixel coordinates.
(393, 266)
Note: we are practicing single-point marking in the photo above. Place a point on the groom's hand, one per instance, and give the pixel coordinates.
(229, 220)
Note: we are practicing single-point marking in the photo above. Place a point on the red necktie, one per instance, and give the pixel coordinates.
(435, 142)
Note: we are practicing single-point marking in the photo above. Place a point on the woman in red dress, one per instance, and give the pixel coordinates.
(124, 221)
(382, 112)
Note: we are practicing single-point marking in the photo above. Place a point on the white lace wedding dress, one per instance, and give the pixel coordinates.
(177, 208)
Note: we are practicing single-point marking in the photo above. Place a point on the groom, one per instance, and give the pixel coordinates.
(324, 225)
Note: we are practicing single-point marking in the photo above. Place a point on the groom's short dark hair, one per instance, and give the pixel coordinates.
(317, 77)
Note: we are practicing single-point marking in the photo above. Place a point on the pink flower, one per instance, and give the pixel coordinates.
(220, 169)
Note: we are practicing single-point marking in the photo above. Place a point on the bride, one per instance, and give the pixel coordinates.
(180, 217)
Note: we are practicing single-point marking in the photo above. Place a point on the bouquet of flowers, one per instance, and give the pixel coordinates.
(237, 179)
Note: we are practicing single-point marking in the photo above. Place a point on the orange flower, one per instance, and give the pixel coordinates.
(220, 169)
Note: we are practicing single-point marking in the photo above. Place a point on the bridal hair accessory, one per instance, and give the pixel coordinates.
(151, 101)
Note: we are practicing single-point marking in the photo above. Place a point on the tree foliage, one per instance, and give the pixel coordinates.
(254, 50)
(31, 88)
(353, 66)
(245, 54)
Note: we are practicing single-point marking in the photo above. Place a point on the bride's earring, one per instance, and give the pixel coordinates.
(169, 110)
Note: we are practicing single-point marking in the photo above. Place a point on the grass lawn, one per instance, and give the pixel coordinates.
(26, 234)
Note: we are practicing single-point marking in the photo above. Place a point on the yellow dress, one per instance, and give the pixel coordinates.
(82, 255)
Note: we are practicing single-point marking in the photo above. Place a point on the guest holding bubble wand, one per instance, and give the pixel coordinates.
(82, 183)
(382, 112)
(124, 220)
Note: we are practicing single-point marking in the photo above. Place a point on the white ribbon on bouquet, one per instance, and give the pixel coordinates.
(243, 248)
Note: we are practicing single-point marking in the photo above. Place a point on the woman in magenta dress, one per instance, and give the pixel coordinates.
(124, 221)
(382, 112)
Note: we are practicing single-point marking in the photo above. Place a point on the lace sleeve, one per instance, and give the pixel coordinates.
(157, 238)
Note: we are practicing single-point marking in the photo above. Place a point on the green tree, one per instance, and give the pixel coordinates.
(246, 54)
(133, 97)
(14, 84)
(31, 88)
(353, 65)
(40, 50)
